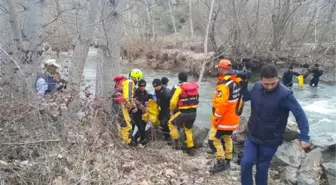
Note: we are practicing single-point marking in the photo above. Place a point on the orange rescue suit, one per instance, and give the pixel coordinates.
(224, 103)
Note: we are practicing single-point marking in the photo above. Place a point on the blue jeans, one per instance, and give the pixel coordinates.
(259, 155)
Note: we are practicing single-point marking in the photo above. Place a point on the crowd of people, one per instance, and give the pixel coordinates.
(173, 109)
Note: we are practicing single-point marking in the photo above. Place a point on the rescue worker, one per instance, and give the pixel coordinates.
(183, 111)
(125, 104)
(224, 119)
(317, 73)
(287, 78)
(142, 96)
(47, 82)
(162, 97)
(271, 103)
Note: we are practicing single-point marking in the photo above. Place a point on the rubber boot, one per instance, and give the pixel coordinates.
(228, 164)
(190, 151)
(176, 145)
(212, 149)
(219, 166)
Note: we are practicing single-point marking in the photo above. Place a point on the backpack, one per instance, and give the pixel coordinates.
(190, 94)
(117, 96)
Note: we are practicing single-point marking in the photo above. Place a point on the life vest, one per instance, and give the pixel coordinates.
(117, 96)
(189, 95)
(51, 82)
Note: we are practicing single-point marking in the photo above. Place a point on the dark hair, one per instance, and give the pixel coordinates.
(268, 71)
(156, 82)
(183, 76)
(164, 80)
(142, 82)
(316, 65)
(290, 67)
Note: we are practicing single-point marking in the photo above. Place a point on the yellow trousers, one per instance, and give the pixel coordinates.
(217, 135)
(187, 120)
(125, 126)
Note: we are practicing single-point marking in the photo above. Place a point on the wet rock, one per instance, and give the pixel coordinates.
(304, 179)
(289, 153)
(330, 172)
(289, 175)
(311, 167)
(329, 155)
(325, 141)
(292, 131)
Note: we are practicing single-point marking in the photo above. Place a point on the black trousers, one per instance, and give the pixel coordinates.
(164, 118)
(137, 121)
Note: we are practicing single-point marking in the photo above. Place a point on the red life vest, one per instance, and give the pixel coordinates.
(117, 96)
(189, 95)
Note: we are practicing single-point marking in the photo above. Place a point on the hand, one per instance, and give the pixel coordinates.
(303, 144)
(134, 110)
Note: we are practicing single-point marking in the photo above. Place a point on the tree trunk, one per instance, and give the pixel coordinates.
(32, 28)
(109, 49)
(206, 42)
(172, 16)
(81, 50)
(191, 20)
(13, 21)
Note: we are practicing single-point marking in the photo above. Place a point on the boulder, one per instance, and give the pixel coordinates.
(289, 175)
(289, 153)
(330, 172)
(199, 135)
(304, 179)
(329, 155)
(310, 168)
(292, 131)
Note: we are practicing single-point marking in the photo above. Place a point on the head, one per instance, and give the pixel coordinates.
(316, 65)
(136, 75)
(269, 77)
(224, 66)
(183, 77)
(51, 66)
(156, 84)
(290, 68)
(164, 81)
(142, 85)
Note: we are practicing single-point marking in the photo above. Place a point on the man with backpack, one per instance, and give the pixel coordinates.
(123, 102)
(183, 111)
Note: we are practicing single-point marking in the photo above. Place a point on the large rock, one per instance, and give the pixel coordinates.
(199, 135)
(289, 175)
(310, 171)
(289, 153)
(330, 172)
(292, 131)
(329, 155)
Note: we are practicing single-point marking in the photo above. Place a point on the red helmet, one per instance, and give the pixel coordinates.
(226, 64)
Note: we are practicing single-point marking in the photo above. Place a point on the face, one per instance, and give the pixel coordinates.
(222, 71)
(157, 88)
(142, 87)
(52, 69)
(269, 84)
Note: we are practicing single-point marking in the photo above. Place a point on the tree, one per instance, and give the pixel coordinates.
(109, 48)
(206, 42)
(82, 48)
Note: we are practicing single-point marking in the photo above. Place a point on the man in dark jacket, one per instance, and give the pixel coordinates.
(317, 73)
(163, 98)
(270, 105)
(142, 96)
(287, 78)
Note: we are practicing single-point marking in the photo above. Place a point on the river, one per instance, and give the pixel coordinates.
(318, 103)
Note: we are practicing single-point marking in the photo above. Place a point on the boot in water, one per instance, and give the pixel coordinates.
(219, 166)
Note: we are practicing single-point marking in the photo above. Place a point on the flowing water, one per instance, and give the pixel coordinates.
(318, 103)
